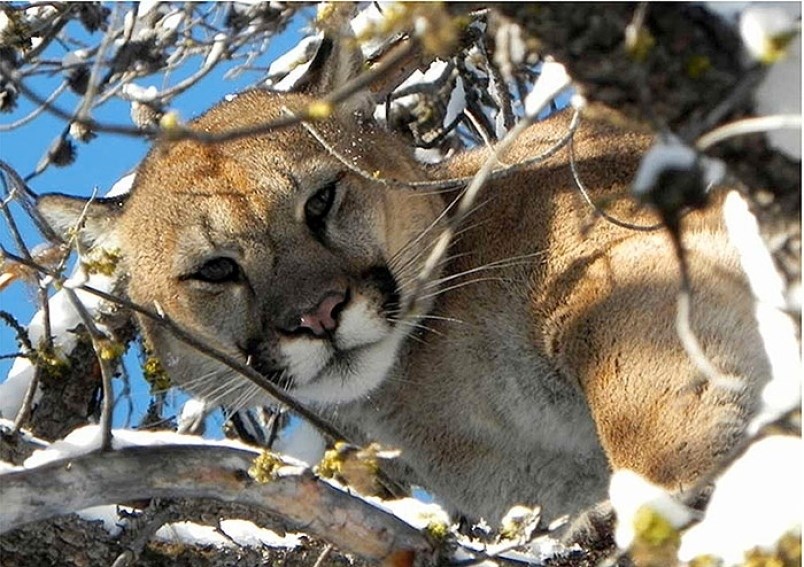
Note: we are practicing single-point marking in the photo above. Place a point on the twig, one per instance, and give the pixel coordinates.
(24, 195)
(600, 211)
(336, 97)
(748, 126)
(106, 372)
(36, 111)
(33, 385)
(453, 182)
(156, 515)
(93, 84)
(324, 555)
(683, 321)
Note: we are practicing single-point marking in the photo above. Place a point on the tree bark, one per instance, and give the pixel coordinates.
(295, 496)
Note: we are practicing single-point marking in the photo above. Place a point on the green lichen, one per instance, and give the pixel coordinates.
(697, 65)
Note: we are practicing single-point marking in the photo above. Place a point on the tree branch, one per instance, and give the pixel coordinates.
(204, 471)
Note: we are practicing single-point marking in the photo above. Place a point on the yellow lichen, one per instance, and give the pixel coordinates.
(102, 261)
(656, 540)
(352, 466)
(110, 350)
(438, 531)
(170, 122)
(775, 47)
(330, 464)
(154, 373)
(652, 528)
(264, 467)
(786, 554)
(706, 561)
(639, 42)
(318, 110)
(52, 361)
(325, 11)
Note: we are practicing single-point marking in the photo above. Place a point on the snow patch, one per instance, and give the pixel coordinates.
(629, 492)
(755, 502)
(552, 81)
(414, 512)
(88, 438)
(778, 332)
(303, 442)
(134, 92)
(671, 154)
(218, 47)
(248, 534)
(109, 514)
(287, 69)
(762, 26)
(193, 413)
(193, 534)
(8, 467)
(457, 103)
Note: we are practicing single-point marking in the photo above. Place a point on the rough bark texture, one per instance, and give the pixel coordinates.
(295, 496)
(70, 541)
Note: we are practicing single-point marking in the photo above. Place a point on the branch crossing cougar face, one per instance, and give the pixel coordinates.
(544, 353)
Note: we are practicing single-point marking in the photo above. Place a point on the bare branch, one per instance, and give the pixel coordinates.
(205, 471)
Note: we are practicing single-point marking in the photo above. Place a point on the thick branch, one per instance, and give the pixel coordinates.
(220, 473)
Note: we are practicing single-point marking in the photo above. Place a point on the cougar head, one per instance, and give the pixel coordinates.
(272, 248)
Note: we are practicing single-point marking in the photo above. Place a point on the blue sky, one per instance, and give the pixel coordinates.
(102, 161)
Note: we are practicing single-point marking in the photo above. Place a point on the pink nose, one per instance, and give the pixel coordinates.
(323, 318)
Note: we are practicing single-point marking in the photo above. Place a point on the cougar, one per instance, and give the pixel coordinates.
(542, 353)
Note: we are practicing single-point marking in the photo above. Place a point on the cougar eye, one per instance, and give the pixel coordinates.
(218, 271)
(318, 206)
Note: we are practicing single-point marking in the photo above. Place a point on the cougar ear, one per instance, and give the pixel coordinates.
(338, 60)
(94, 219)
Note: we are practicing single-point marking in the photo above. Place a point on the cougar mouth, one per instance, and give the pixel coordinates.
(344, 362)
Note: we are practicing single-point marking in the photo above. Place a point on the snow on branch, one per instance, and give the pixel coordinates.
(207, 470)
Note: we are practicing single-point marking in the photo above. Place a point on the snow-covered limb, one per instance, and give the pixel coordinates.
(776, 327)
(205, 470)
(756, 501)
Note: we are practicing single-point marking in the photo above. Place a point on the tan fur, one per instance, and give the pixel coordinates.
(529, 385)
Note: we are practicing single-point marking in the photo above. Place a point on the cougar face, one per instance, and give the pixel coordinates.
(277, 253)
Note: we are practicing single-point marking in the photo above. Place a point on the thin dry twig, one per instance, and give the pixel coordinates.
(746, 126)
(96, 336)
(599, 210)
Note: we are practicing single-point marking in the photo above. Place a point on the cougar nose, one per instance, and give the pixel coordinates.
(321, 319)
